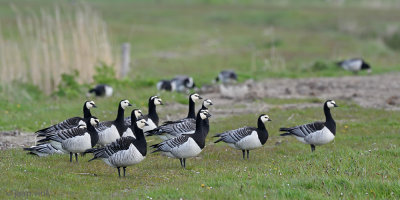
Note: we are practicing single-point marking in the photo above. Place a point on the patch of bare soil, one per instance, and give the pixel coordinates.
(379, 91)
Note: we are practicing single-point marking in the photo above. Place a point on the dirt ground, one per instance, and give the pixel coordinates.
(377, 91)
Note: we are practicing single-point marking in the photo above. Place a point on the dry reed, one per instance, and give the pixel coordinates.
(49, 44)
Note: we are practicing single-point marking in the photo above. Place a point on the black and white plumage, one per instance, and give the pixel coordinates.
(69, 123)
(102, 90)
(246, 138)
(354, 65)
(130, 131)
(184, 126)
(125, 151)
(43, 150)
(152, 117)
(182, 83)
(188, 145)
(227, 77)
(316, 133)
(193, 98)
(165, 85)
(75, 140)
(109, 131)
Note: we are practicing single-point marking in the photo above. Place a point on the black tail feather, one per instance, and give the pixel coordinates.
(219, 140)
(285, 134)
(44, 140)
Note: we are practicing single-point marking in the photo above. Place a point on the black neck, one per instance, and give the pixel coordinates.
(191, 113)
(153, 112)
(262, 131)
(329, 122)
(86, 112)
(119, 121)
(199, 136)
(94, 136)
(140, 141)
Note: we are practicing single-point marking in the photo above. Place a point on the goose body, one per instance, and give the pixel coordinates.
(43, 150)
(316, 133)
(102, 90)
(182, 83)
(354, 65)
(184, 126)
(165, 85)
(246, 138)
(124, 151)
(110, 131)
(227, 76)
(151, 118)
(185, 146)
(71, 122)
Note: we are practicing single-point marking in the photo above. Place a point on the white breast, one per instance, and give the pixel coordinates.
(128, 132)
(320, 137)
(150, 127)
(186, 150)
(126, 158)
(249, 142)
(77, 144)
(108, 135)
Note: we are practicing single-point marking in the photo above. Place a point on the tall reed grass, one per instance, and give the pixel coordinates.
(51, 43)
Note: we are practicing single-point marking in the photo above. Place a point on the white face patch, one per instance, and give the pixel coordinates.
(93, 121)
(141, 123)
(195, 97)
(138, 113)
(151, 98)
(90, 104)
(265, 118)
(330, 104)
(124, 104)
(207, 103)
(158, 101)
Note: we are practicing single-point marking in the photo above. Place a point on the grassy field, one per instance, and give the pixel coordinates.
(260, 40)
(362, 163)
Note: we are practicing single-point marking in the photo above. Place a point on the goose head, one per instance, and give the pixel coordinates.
(207, 103)
(141, 123)
(90, 104)
(94, 121)
(137, 113)
(264, 118)
(331, 104)
(204, 114)
(124, 104)
(194, 97)
(155, 100)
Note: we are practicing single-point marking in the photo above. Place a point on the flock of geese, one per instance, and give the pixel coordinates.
(122, 142)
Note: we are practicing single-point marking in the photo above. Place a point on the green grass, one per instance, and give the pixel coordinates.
(361, 163)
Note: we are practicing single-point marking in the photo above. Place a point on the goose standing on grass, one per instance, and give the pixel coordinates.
(182, 83)
(184, 126)
(193, 98)
(165, 85)
(69, 123)
(130, 131)
(188, 145)
(227, 77)
(316, 133)
(246, 138)
(101, 90)
(109, 131)
(355, 65)
(43, 150)
(152, 117)
(125, 151)
(76, 140)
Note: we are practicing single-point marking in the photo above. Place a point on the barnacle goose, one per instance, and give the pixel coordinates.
(184, 126)
(152, 117)
(227, 76)
(182, 83)
(246, 138)
(125, 151)
(102, 90)
(43, 150)
(166, 85)
(71, 122)
(354, 65)
(109, 131)
(316, 133)
(193, 98)
(75, 140)
(187, 145)
(135, 115)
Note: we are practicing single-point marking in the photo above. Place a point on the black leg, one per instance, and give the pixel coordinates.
(70, 157)
(244, 154)
(119, 172)
(180, 159)
(312, 148)
(248, 151)
(184, 163)
(76, 157)
(124, 170)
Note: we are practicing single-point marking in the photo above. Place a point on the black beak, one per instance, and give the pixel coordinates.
(335, 105)
(94, 105)
(208, 115)
(269, 120)
(211, 104)
(97, 123)
(161, 103)
(200, 97)
(146, 124)
(129, 104)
